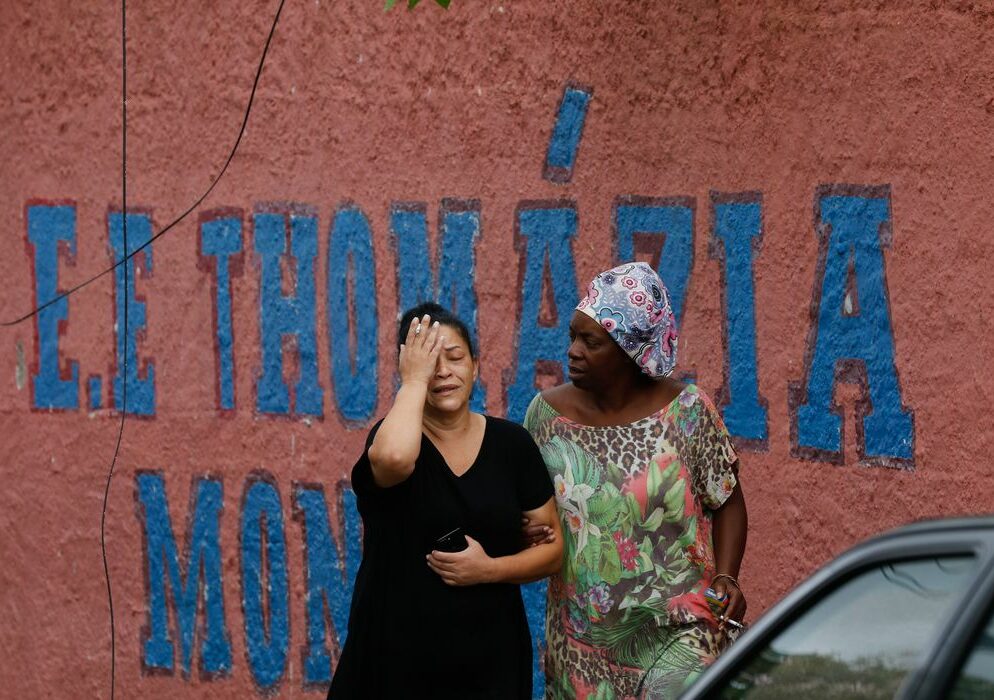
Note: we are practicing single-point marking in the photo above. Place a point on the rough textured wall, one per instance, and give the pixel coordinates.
(811, 179)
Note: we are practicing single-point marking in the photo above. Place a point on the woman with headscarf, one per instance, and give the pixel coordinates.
(428, 621)
(646, 481)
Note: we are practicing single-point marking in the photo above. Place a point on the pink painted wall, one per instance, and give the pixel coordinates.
(356, 105)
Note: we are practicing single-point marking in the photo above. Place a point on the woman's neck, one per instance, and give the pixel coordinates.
(447, 425)
(622, 393)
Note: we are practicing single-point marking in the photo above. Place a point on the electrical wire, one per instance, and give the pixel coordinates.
(197, 203)
(124, 261)
(124, 390)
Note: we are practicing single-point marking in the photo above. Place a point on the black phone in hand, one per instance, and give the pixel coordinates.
(454, 541)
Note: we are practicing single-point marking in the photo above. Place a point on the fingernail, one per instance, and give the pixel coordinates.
(435, 324)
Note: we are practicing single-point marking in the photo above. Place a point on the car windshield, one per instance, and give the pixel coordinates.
(861, 639)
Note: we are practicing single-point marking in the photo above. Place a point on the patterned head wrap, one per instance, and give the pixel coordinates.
(633, 306)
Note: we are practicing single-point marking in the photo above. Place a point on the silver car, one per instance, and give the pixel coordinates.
(908, 614)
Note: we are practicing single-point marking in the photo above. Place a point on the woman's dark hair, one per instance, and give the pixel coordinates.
(438, 313)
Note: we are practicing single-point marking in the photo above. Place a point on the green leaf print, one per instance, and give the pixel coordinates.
(672, 471)
(645, 561)
(689, 535)
(604, 692)
(654, 481)
(603, 507)
(610, 491)
(598, 507)
(673, 501)
(666, 480)
(564, 689)
(655, 604)
(591, 555)
(560, 455)
(610, 568)
(654, 520)
(673, 551)
(634, 510)
(569, 556)
(586, 580)
(632, 640)
(615, 474)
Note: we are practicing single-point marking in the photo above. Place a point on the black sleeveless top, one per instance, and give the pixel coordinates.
(410, 634)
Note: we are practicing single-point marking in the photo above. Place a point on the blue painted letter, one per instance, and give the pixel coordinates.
(409, 234)
(141, 392)
(287, 315)
(852, 339)
(330, 575)
(202, 557)
(565, 141)
(221, 238)
(94, 386)
(267, 624)
(661, 233)
(352, 322)
(47, 227)
(736, 236)
(456, 273)
(546, 234)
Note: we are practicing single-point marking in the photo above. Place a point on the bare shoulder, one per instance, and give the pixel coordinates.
(667, 390)
(561, 398)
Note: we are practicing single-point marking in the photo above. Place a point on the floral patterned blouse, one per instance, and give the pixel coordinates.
(635, 502)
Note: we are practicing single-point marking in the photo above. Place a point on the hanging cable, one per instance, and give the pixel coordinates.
(197, 203)
(128, 254)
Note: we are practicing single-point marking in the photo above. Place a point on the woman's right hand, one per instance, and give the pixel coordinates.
(419, 352)
(536, 533)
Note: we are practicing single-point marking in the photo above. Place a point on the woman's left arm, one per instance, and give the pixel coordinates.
(473, 565)
(731, 523)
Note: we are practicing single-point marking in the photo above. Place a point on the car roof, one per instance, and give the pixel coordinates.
(936, 525)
